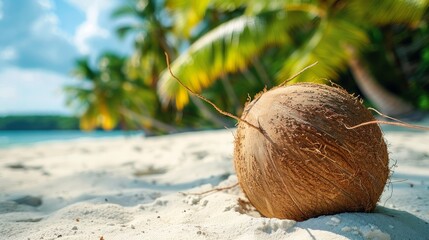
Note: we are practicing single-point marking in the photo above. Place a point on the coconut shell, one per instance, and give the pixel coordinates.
(305, 162)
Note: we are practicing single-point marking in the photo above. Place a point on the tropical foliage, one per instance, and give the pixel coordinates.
(303, 31)
(151, 29)
(231, 49)
(105, 96)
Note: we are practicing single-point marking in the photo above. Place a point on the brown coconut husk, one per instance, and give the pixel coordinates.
(308, 150)
(305, 162)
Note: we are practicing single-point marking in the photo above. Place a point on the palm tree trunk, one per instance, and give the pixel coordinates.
(166, 128)
(385, 101)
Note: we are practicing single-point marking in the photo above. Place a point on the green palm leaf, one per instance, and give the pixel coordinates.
(83, 70)
(383, 12)
(88, 120)
(346, 27)
(227, 48)
(190, 13)
(78, 97)
(327, 47)
(123, 31)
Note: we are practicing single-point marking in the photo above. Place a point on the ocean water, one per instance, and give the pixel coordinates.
(16, 138)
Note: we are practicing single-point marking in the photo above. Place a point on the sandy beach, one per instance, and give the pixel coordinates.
(141, 188)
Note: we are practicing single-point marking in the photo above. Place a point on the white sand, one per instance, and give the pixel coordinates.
(132, 189)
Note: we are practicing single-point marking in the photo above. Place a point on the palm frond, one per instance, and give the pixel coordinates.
(83, 70)
(78, 97)
(189, 14)
(387, 11)
(326, 46)
(228, 48)
(123, 31)
(256, 6)
(88, 120)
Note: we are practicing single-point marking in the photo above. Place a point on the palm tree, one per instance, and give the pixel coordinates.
(152, 38)
(332, 32)
(106, 97)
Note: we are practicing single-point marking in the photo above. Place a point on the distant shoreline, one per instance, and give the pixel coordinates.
(39, 122)
(12, 138)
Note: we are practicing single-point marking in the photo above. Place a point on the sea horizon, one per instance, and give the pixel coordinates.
(11, 138)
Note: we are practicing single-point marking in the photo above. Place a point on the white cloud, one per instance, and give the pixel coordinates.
(94, 27)
(33, 38)
(30, 90)
(36, 53)
(45, 23)
(47, 4)
(89, 30)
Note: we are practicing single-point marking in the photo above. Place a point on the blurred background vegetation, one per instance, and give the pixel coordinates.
(228, 50)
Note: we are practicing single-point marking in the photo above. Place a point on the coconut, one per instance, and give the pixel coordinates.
(302, 161)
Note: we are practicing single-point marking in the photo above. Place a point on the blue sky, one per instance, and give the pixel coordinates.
(39, 41)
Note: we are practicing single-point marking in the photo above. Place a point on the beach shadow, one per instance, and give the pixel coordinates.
(384, 222)
(101, 188)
